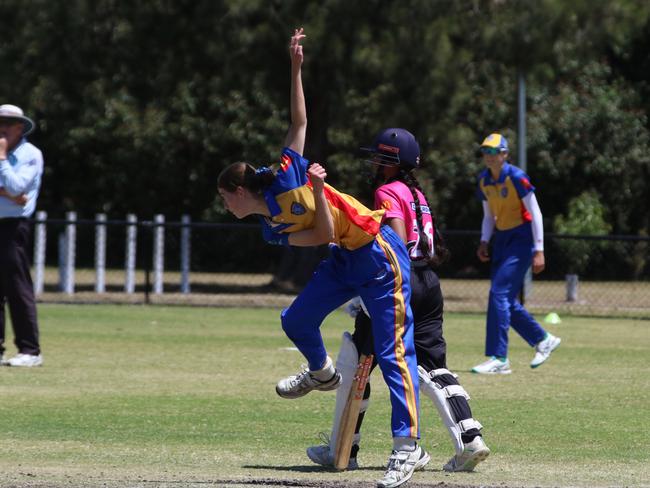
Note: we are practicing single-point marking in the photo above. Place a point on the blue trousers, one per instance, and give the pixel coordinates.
(512, 255)
(379, 273)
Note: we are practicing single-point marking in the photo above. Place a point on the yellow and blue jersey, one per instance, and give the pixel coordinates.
(290, 200)
(511, 257)
(504, 196)
(369, 261)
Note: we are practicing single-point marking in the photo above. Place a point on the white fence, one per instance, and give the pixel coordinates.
(231, 265)
(67, 253)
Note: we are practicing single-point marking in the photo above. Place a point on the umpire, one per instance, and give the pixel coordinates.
(21, 168)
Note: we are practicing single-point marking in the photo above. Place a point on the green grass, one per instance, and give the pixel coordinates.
(132, 395)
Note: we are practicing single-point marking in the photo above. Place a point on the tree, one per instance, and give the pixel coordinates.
(586, 216)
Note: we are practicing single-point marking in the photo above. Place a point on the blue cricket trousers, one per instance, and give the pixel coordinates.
(512, 255)
(379, 273)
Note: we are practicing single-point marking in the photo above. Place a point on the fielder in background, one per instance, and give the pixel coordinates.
(296, 207)
(396, 155)
(509, 204)
(21, 167)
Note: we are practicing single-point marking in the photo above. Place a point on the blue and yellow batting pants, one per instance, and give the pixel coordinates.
(512, 255)
(379, 273)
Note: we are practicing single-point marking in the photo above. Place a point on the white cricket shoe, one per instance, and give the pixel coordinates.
(302, 383)
(26, 360)
(493, 365)
(544, 349)
(402, 465)
(473, 453)
(325, 457)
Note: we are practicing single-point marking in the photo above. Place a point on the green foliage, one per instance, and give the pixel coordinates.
(586, 216)
(141, 104)
(588, 132)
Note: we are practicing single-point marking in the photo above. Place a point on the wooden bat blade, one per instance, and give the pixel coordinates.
(350, 414)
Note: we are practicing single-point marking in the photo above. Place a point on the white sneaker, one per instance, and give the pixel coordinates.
(473, 453)
(25, 360)
(402, 465)
(544, 349)
(493, 366)
(323, 455)
(302, 383)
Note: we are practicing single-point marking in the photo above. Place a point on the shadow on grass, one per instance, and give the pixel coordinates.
(311, 468)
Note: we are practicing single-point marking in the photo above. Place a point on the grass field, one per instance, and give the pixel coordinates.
(178, 396)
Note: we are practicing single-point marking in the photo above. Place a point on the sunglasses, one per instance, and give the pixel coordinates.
(492, 151)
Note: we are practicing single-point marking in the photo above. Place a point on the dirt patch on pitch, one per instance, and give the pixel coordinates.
(224, 483)
(278, 483)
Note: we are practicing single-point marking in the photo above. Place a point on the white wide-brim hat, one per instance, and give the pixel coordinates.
(12, 112)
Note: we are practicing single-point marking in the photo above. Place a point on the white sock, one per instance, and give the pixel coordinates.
(404, 443)
(326, 372)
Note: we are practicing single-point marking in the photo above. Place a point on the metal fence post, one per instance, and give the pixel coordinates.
(129, 261)
(158, 253)
(62, 258)
(185, 253)
(572, 288)
(70, 252)
(40, 239)
(100, 253)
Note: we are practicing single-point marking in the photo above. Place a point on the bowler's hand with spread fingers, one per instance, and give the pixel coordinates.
(295, 48)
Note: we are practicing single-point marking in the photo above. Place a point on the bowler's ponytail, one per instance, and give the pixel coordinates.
(246, 176)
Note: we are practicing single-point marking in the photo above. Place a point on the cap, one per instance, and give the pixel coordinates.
(395, 147)
(13, 112)
(496, 141)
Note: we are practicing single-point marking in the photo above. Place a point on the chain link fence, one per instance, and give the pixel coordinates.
(182, 262)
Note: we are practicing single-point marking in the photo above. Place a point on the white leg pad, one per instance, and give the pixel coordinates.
(363, 307)
(355, 306)
(455, 390)
(346, 362)
(364, 405)
(469, 424)
(441, 372)
(439, 398)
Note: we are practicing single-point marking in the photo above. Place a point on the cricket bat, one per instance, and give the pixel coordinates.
(351, 413)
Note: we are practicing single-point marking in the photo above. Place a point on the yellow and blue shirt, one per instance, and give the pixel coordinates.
(505, 194)
(290, 200)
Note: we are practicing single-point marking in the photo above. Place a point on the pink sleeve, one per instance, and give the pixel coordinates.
(388, 200)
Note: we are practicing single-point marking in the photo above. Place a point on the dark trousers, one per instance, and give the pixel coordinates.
(430, 346)
(16, 288)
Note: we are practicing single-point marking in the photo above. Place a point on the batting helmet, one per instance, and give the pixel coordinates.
(395, 147)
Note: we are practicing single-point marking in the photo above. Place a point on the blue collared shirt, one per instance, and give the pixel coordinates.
(21, 174)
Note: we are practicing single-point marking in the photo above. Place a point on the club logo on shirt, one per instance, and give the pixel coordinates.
(504, 192)
(297, 209)
(285, 162)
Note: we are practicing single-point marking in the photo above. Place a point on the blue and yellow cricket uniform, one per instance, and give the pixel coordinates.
(512, 255)
(368, 260)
